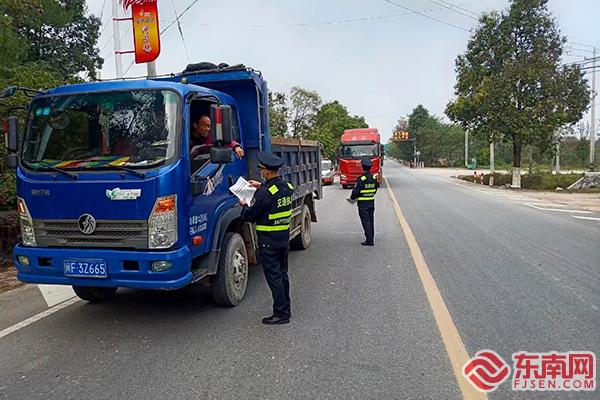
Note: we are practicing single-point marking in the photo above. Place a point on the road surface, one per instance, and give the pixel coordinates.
(366, 325)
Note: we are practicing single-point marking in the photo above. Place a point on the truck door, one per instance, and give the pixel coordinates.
(207, 206)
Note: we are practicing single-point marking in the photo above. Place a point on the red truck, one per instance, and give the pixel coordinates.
(356, 145)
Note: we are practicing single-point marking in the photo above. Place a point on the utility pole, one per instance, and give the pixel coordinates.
(117, 39)
(466, 148)
(492, 164)
(557, 166)
(151, 68)
(593, 113)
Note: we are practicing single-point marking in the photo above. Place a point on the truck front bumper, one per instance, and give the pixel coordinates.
(124, 268)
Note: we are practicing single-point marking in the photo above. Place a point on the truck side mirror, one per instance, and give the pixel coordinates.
(221, 118)
(221, 155)
(8, 92)
(12, 130)
(12, 160)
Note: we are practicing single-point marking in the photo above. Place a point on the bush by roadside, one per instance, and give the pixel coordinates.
(537, 181)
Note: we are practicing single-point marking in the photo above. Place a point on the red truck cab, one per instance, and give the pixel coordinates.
(356, 145)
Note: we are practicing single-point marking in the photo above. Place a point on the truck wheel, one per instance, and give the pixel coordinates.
(345, 186)
(94, 294)
(302, 241)
(229, 284)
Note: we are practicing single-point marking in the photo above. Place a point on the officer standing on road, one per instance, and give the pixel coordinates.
(272, 212)
(364, 192)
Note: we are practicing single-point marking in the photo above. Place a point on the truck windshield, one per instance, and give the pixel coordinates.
(102, 130)
(359, 150)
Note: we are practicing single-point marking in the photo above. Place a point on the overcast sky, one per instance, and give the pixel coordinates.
(376, 58)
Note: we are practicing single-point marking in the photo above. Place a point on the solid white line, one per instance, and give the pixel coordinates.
(587, 218)
(37, 317)
(560, 210)
(546, 205)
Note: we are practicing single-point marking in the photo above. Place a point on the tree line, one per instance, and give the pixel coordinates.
(302, 114)
(442, 144)
(43, 44)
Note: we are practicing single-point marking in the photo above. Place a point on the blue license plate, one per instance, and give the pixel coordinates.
(86, 268)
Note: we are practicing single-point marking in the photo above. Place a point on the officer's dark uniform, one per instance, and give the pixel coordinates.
(272, 212)
(364, 192)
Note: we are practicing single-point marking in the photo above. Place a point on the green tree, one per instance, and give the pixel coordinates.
(305, 105)
(511, 84)
(330, 122)
(279, 114)
(51, 33)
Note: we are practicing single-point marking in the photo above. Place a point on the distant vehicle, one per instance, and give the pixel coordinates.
(327, 172)
(99, 215)
(356, 145)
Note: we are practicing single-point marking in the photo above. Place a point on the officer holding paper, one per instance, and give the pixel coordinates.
(272, 212)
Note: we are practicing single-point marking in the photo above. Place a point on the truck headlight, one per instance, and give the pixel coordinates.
(162, 224)
(26, 223)
(343, 177)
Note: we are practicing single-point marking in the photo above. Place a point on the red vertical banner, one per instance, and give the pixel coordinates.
(146, 35)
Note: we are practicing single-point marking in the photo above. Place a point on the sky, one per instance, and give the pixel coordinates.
(378, 59)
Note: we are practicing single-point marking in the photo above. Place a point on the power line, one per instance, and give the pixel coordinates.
(180, 32)
(581, 44)
(460, 8)
(454, 10)
(180, 15)
(427, 16)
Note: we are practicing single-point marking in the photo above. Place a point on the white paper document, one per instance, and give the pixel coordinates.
(243, 190)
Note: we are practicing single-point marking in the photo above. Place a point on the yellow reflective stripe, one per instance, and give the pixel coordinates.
(363, 178)
(365, 198)
(277, 228)
(281, 215)
(290, 186)
(368, 191)
(273, 189)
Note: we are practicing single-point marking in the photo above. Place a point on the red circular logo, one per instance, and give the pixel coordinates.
(486, 371)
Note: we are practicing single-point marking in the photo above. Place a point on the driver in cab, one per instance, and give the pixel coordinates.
(201, 139)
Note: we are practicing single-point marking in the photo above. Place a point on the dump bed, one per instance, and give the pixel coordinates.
(302, 164)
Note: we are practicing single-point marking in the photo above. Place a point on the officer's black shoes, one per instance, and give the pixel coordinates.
(276, 320)
(365, 243)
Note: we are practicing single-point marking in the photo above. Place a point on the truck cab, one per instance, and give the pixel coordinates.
(356, 145)
(110, 195)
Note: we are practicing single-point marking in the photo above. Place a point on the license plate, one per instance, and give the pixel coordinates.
(86, 268)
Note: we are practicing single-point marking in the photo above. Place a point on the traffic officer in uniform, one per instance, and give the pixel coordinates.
(272, 212)
(364, 193)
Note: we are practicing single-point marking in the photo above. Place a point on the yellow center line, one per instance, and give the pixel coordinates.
(454, 346)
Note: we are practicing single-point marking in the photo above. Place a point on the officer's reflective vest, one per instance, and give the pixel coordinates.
(369, 188)
(280, 214)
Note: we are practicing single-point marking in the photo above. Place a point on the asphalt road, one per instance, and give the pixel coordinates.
(512, 277)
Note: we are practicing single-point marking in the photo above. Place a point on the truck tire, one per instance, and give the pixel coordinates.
(345, 186)
(94, 294)
(229, 284)
(302, 241)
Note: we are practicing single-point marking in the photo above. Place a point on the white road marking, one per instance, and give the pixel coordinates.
(37, 317)
(546, 204)
(55, 294)
(587, 218)
(560, 210)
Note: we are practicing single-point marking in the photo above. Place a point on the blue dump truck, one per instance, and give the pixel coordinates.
(109, 194)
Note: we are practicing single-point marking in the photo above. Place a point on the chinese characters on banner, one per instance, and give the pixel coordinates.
(146, 35)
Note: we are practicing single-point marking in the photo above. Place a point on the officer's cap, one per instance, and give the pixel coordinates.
(366, 163)
(269, 160)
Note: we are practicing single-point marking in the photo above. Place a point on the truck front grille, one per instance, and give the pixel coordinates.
(66, 233)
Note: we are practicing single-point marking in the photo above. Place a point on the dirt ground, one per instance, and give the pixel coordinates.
(584, 201)
(8, 277)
